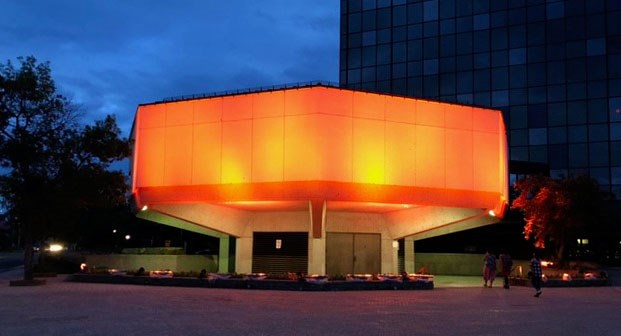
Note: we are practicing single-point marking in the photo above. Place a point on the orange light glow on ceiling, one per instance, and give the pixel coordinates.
(295, 145)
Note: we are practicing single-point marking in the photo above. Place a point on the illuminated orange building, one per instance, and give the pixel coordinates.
(341, 175)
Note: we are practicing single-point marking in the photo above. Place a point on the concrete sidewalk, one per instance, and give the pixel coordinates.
(69, 308)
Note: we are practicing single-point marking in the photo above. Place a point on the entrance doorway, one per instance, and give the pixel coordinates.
(353, 253)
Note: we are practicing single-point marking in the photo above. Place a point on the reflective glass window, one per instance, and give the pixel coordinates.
(499, 39)
(536, 13)
(518, 96)
(383, 54)
(613, 19)
(481, 41)
(555, 10)
(598, 132)
(517, 16)
(537, 94)
(368, 21)
(415, 31)
(430, 29)
(500, 58)
(555, 52)
(447, 45)
(464, 43)
(355, 5)
(577, 133)
(384, 3)
(557, 156)
(557, 135)
(399, 70)
(384, 18)
(615, 131)
(430, 84)
(447, 9)
(383, 72)
(464, 62)
(353, 76)
(615, 152)
(517, 56)
(369, 56)
(498, 19)
(557, 116)
(576, 112)
(355, 23)
(519, 153)
(368, 38)
(447, 26)
(519, 138)
(576, 91)
(536, 74)
(482, 98)
(519, 117)
(354, 58)
(463, 8)
(536, 33)
(399, 15)
(614, 106)
(517, 36)
(598, 154)
(481, 21)
(447, 84)
(464, 82)
(399, 52)
(576, 70)
(576, 28)
(482, 80)
(430, 10)
(384, 36)
(578, 155)
(481, 61)
(368, 4)
(538, 136)
(430, 47)
(368, 74)
(596, 66)
(596, 46)
(597, 89)
(601, 175)
(447, 64)
(500, 78)
(538, 153)
(598, 111)
(556, 72)
(596, 25)
(415, 50)
(415, 13)
(576, 49)
(415, 69)
(537, 116)
(556, 93)
(430, 66)
(517, 76)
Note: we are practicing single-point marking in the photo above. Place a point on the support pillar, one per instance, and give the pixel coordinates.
(243, 255)
(410, 262)
(223, 255)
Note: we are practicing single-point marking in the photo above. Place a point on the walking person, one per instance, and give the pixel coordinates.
(536, 274)
(489, 269)
(507, 264)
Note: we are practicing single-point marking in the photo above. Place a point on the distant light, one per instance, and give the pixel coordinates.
(492, 213)
(56, 247)
(128, 237)
(114, 231)
(144, 208)
(278, 244)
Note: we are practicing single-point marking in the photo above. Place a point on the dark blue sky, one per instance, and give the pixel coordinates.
(110, 56)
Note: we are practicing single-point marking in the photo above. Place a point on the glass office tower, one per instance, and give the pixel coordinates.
(553, 68)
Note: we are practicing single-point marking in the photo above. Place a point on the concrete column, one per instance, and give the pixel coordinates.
(395, 257)
(317, 255)
(410, 266)
(223, 255)
(243, 255)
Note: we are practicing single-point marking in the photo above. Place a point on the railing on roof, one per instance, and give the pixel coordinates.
(250, 90)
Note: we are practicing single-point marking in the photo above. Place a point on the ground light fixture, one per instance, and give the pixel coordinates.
(56, 247)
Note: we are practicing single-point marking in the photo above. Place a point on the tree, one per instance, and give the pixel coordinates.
(559, 211)
(54, 169)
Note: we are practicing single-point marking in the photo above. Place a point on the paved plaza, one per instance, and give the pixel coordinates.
(457, 306)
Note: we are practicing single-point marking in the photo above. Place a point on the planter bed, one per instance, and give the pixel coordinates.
(253, 284)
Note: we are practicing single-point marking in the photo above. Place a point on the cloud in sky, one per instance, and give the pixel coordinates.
(110, 56)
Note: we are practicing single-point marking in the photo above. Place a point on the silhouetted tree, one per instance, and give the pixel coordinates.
(54, 169)
(559, 211)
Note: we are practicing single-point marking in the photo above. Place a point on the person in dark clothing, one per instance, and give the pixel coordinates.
(536, 274)
(507, 264)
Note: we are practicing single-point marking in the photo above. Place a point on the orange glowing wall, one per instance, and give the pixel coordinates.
(319, 134)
